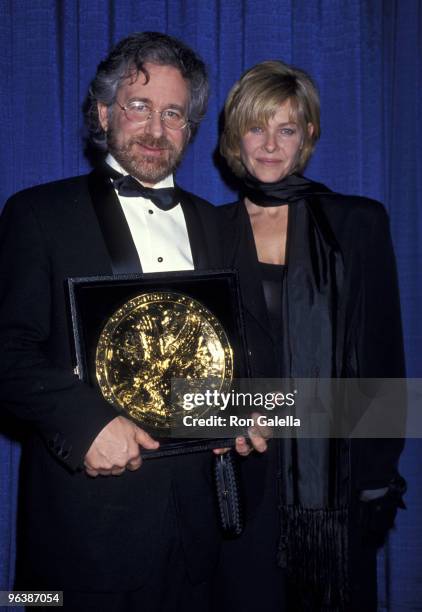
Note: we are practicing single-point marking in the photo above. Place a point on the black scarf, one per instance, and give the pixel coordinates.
(314, 507)
(290, 189)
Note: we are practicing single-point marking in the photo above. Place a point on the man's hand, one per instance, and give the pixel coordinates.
(257, 440)
(116, 448)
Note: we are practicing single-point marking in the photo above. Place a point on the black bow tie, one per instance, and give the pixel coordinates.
(166, 198)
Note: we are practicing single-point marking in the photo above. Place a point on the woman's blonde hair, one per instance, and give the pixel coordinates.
(256, 97)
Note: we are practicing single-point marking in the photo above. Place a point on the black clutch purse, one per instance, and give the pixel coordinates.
(228, 495)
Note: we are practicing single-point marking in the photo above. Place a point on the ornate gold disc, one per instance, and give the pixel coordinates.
(152, 339)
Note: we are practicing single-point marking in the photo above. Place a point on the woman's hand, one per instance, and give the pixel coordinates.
(256, 439)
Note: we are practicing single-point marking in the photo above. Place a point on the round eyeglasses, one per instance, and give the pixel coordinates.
(139, 112)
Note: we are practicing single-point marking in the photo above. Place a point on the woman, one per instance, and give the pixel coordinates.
(319, 286)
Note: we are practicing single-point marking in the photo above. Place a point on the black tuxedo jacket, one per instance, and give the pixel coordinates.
(78, 532)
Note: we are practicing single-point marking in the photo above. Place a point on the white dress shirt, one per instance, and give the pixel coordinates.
(160, 236)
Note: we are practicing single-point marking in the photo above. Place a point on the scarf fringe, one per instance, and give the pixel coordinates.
(313, 549)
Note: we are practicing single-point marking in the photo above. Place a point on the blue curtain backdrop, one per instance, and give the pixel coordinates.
(366, 57)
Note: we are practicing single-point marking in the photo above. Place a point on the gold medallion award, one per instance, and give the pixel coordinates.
(154, 338)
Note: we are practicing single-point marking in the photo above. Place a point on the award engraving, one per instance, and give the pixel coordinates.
(154, 338)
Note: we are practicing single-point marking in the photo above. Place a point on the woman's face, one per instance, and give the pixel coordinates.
(270, 152)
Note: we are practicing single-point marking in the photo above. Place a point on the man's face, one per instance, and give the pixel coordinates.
(148, 151)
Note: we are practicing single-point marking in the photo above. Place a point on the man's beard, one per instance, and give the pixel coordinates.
(146, 168)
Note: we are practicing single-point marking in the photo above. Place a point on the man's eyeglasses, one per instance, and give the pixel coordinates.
(139, 112)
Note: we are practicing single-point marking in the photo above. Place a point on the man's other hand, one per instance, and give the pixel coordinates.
(117, 448)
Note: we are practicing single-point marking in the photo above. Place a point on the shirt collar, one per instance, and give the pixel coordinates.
(113, 163)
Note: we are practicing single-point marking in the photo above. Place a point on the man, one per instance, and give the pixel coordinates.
(147, 539)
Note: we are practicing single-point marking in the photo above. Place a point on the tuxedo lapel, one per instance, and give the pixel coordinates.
(197, 234)
(112, 221)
